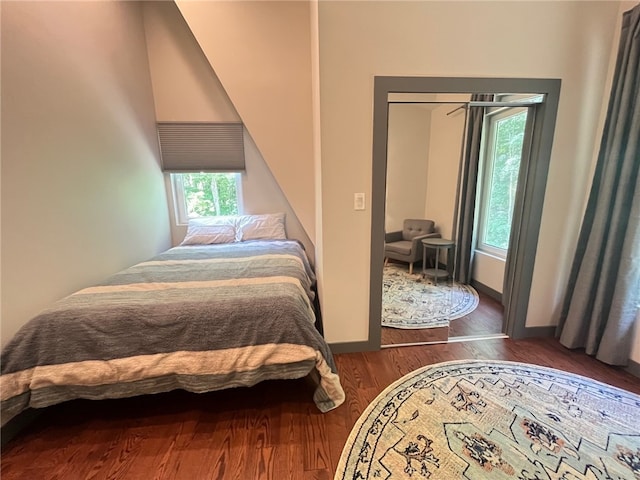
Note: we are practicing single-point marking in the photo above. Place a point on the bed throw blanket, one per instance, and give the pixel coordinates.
(198, 318)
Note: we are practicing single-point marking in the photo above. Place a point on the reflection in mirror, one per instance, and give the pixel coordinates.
(423, 155)
(422, 303)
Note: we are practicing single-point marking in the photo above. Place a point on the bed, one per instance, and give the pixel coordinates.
(196, 317)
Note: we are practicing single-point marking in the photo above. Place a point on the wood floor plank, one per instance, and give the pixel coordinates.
(354, 402)
(263, 463)
(338, 429)
(288, 462)
(269, 431)
(315, 444)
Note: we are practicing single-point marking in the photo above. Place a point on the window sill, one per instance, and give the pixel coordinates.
(490, 255)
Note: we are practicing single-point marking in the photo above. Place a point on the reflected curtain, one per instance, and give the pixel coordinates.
(467, 190)
(603, 293)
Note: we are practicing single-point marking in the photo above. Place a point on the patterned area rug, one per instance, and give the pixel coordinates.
(503, 420)
(409, 301)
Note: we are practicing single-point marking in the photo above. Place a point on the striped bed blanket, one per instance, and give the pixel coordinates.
(198, 318)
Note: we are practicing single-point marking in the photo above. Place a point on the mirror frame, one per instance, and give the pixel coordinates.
(527, 219)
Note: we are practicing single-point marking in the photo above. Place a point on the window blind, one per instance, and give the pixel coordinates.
(201, 147)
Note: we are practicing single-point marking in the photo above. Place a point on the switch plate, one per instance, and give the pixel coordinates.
(358, 201)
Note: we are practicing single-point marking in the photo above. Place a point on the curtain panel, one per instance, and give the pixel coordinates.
(468, 189)
(603, 293)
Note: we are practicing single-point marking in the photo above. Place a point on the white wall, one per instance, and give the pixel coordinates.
(358, 40)
(261, 51)
(444, 161)
(488, 270)
(317, 139)
(82, 83)
(186, 88)
(407, 153)
(262, 194)
(82, 191)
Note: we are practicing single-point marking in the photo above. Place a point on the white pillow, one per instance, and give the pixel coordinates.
(269, 226)
(210, 230)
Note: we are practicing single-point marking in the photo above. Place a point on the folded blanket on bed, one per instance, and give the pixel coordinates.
(199, 318)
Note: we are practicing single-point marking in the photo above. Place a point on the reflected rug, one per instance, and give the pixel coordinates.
(409, 301)
(477, 419)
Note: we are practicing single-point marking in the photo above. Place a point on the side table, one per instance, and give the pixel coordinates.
(437, 243)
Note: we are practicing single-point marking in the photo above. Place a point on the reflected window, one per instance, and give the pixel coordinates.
(502, 152)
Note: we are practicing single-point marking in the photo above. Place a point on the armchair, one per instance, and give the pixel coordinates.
(405, 245)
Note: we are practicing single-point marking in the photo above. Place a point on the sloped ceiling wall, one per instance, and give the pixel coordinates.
(186, 88)
(261, 53)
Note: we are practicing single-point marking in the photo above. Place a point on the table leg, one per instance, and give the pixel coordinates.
(424, 260)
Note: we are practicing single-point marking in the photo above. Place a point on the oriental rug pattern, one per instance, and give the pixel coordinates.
(409, 301)
(493, 419)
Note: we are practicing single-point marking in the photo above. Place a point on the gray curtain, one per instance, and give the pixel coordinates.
(467, 191)
(603, 293)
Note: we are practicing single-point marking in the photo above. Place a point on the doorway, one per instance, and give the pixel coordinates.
(526, 205)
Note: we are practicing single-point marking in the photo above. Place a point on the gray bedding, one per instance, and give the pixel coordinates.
(198, 318)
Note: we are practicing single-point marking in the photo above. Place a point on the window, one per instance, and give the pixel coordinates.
(206, 195)
(505, 132)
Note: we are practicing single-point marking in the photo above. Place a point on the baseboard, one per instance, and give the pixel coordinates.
(633, 368)
(17, 424)
(352, 347)
(488, 291)
(530, 332)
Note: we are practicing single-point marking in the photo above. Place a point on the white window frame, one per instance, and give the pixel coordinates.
(179, 201)
(486, 174)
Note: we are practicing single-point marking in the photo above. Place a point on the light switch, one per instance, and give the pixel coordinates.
(358, 201)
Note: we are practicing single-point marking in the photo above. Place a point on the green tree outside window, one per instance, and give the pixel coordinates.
(210, 194)
(509, 137)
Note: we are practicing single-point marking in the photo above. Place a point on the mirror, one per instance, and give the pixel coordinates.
(426, 139)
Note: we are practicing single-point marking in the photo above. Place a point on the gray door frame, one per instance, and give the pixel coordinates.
(526, 219)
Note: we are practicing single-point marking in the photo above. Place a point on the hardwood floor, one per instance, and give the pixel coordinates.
(486, 319)
(269, 431)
